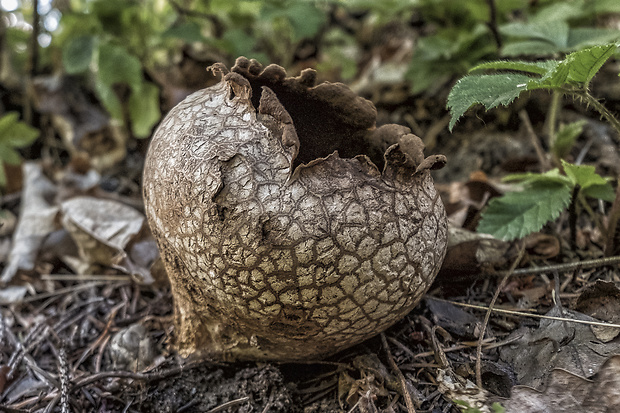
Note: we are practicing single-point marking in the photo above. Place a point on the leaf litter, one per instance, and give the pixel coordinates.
(85, 330)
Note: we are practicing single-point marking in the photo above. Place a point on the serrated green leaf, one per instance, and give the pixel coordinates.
(548, 178)
(586, 177)
(554, 78)
(565, 138)
(488, 90)
(584, 64)
(144, 110)
(78, 53)
(537, 68)
(116, 65)
(517, 214)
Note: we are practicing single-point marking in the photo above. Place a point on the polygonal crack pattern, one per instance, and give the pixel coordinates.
(264, 266)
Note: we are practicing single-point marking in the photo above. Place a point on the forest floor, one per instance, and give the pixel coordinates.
(80, 336)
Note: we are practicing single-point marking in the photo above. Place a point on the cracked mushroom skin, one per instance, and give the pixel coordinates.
(291, 231)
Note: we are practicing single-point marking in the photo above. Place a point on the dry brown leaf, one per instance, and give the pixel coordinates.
(556, 344)
(568, 392)
(102, 229)
(36, 221)
(601, 300)
(469, 252)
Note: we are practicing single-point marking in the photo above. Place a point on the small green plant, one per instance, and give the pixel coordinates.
(543, 196)
(466, 408)
(14, 134)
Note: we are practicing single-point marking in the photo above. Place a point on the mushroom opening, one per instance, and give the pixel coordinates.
(326, 117)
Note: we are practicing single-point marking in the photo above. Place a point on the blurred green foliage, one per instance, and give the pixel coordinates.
(13, 134)
(118, 47)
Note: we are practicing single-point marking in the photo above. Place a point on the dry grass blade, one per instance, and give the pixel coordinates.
(488, 316)
(531, 315)
(401, 377)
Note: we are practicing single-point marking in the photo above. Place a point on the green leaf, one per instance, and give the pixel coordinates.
(14, 133)
(591, 183)
(582, 175)
(554, 78)
(581, 37)
(554, 32)
(116, 65)
(2, 177)
(144, 110)
(517, 214)
(109, 99)
(604, 192)
(584, 64)
(528, 48)
(537, 68)
(489, 90)
(548, 178)
(566, 136)
(187, 31)
(78, 53)
(498, 408)
(9, 155)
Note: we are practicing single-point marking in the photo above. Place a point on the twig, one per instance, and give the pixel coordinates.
(489, 343)
(531, 315)
(229, 404)
(542, 158)
(572, 218)
(566, 267)
(102, 337)
(64, 379)
(401, 346)
(488, 316)
(62, 291)
(401, 377)
(84, 277)
(612, 225)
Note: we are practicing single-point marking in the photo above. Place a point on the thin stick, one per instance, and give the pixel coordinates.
(531, 315)
(544, 162)
(401, 377)
(570, 266)
(488, 316)
(229, 404)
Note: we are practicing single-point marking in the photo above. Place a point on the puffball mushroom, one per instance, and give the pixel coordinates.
(282, 237)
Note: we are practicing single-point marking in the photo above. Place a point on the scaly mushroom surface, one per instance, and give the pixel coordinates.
(282, 237)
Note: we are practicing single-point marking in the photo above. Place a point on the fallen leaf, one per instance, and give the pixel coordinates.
(455, 320)
(535, 352)
(36, 221)
(601, 300)
(469, 252)
(568, 392)
(12, 294)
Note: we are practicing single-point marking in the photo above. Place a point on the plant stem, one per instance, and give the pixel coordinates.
(572, 218)
(552, 119)
(599, 107)
(492, 23)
